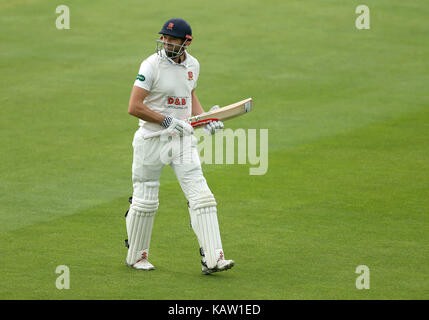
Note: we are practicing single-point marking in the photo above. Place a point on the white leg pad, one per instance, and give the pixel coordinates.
(139, 235)
(206, 227)
(140, 222)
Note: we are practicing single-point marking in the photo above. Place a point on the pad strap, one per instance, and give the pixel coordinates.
(202, 201)
(146, 206)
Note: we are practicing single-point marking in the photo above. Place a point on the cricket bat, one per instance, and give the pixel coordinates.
(224, 113)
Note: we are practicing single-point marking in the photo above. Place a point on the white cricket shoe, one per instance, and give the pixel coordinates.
(142, 264)
(220, 266)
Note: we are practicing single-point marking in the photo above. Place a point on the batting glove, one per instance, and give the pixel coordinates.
(213, 126)
(177, 127)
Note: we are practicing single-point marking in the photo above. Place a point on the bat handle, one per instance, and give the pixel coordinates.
(201, 123)
(195, 124)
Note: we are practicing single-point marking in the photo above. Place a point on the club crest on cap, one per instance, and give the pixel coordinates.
(170, 26)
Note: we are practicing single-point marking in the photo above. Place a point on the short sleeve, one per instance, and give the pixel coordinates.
(145, 76)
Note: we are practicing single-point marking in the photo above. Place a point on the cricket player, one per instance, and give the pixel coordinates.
(163, 96)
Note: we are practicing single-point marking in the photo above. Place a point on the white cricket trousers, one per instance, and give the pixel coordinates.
(149, 158)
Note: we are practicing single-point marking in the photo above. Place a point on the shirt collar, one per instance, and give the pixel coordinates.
(184, 63)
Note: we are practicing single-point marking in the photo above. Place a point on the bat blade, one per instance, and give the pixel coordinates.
(224, 113)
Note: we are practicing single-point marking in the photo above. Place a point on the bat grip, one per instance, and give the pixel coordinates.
(202, 122)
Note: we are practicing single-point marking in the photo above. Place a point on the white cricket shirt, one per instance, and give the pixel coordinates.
(170, 85)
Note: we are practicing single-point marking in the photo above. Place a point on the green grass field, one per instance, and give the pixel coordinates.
(348, 117)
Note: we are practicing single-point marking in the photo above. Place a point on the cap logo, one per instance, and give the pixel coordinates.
(170, 26)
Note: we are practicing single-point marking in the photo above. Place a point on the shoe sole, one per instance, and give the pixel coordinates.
(227, 267)
(129, 265)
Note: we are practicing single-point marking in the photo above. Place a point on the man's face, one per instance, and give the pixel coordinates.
(172, 45)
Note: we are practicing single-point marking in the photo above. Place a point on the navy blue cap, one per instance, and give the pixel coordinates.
(177, 28)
